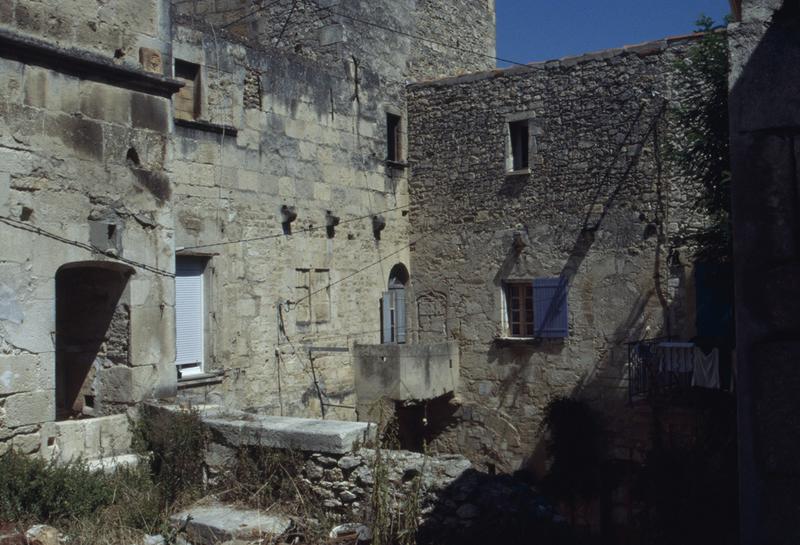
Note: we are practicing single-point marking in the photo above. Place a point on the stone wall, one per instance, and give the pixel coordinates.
(314, 140)
(114, 29)
(309, 132)
(598, 206)
(416, 39)
(450, 501)
(83, 147)
(765, 117)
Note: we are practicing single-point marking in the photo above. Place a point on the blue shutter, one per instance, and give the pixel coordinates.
(386, 310)
(550, 307)
(400, 315)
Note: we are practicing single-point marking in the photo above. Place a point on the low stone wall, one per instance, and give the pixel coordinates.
(345, 484)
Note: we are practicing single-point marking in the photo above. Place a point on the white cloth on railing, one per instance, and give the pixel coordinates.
(706, 369)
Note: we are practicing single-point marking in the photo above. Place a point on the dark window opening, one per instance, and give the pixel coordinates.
(519, 300)
(518, 131)
(394, 138)
(187, 99)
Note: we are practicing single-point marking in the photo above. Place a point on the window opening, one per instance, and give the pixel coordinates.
(519, 135)
(189, 315)
(187, 99)
(394, 138)
(519, 300)
(393, 307)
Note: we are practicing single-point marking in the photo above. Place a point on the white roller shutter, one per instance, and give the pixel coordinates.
(189, 313)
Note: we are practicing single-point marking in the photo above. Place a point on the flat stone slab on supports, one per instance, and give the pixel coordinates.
(283, 432)
(215, 523)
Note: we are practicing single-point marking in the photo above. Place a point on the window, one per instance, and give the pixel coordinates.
(189, 315)
(187, 99)
(393, 307)
(394, 138)
(313, 296)
(519, 300)
(519, 145)
(537, 308)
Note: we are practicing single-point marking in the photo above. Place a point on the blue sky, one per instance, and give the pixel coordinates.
(535, 30)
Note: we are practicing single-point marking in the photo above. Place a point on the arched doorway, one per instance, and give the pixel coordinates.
(92, 334)
(393, 307)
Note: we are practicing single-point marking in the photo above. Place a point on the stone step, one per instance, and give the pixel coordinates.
(215, 523)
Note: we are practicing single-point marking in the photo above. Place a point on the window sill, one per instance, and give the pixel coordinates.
(520, 172)
(206, 126)
(529, 341)
(204, 379)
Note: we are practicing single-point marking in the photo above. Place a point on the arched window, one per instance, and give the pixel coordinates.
(393, 307)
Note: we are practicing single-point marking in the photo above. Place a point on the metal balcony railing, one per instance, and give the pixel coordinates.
(659, 366)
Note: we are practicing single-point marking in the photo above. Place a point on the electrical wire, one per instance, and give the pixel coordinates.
(423, 38)
(17, 224)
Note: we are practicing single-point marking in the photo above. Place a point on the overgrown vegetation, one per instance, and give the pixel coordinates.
(699, 143)
(92, 506)
(176, 442)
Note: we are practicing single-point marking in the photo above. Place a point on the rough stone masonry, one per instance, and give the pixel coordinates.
(597, 204)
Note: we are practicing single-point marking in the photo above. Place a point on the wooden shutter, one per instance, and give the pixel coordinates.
(400, 315)
(386, 313)
(189, 311)
(550, 316)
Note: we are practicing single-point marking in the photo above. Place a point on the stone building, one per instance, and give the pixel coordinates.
(286, 207)
(548, 234)
(204, 200)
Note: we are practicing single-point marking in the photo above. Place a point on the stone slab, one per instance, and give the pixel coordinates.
(304, 434)
(110, 464)
(214, 523)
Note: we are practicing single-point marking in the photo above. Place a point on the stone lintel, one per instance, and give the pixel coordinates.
(84, 65)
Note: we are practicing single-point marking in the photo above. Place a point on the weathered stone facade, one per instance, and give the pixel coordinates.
(270, 169)
(598, 205)
(100, 183)
(86, 261)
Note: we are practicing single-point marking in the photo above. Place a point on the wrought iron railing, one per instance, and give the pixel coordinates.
(658, 366)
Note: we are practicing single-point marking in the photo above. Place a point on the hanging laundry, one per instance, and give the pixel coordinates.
(706, 368)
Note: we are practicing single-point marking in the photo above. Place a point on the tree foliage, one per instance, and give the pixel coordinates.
(699, 147)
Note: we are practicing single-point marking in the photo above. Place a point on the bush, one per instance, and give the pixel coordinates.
(178, 442)
(38, 489)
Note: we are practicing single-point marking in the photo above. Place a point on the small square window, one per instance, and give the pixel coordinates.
(187, 99)
(519, 145)
(394, 138)
(519, 306)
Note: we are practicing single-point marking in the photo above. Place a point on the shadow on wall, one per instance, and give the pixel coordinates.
(660, 463)
(92, 335)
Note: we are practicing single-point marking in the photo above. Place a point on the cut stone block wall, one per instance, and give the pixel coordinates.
(314, 141)
(64, 146)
